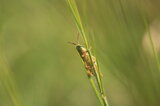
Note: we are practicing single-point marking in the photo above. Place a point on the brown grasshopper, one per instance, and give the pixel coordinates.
(89, 64)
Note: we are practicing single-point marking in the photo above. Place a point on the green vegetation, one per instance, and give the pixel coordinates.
(39, 68)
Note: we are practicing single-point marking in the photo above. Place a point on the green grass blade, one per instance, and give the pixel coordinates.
(8, 83)
(81, 29)
(73, 7)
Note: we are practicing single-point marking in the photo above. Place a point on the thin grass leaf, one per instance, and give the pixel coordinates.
(73, 7)
(81, 28)
(8, 82)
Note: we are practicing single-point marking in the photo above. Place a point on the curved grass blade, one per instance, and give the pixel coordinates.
(8, 83)
(81, 29)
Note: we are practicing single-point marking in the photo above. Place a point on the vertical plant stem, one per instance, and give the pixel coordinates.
(77, 17)
(98, 90)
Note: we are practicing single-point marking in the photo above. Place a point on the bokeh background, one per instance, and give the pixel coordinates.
(39, 68)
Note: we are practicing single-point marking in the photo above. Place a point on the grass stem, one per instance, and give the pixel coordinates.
(98, 90)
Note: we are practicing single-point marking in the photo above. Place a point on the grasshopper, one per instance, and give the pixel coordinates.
(90, 64)
(84, 54)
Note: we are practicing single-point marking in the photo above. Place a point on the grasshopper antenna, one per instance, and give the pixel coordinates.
(72, 43)
(78, 37)
(77, 40)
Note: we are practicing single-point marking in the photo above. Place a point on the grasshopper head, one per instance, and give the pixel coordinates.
(79, 48)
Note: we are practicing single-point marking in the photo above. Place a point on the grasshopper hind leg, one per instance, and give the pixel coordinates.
(89, 73)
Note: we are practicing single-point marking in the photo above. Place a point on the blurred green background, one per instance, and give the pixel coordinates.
(39, 68)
